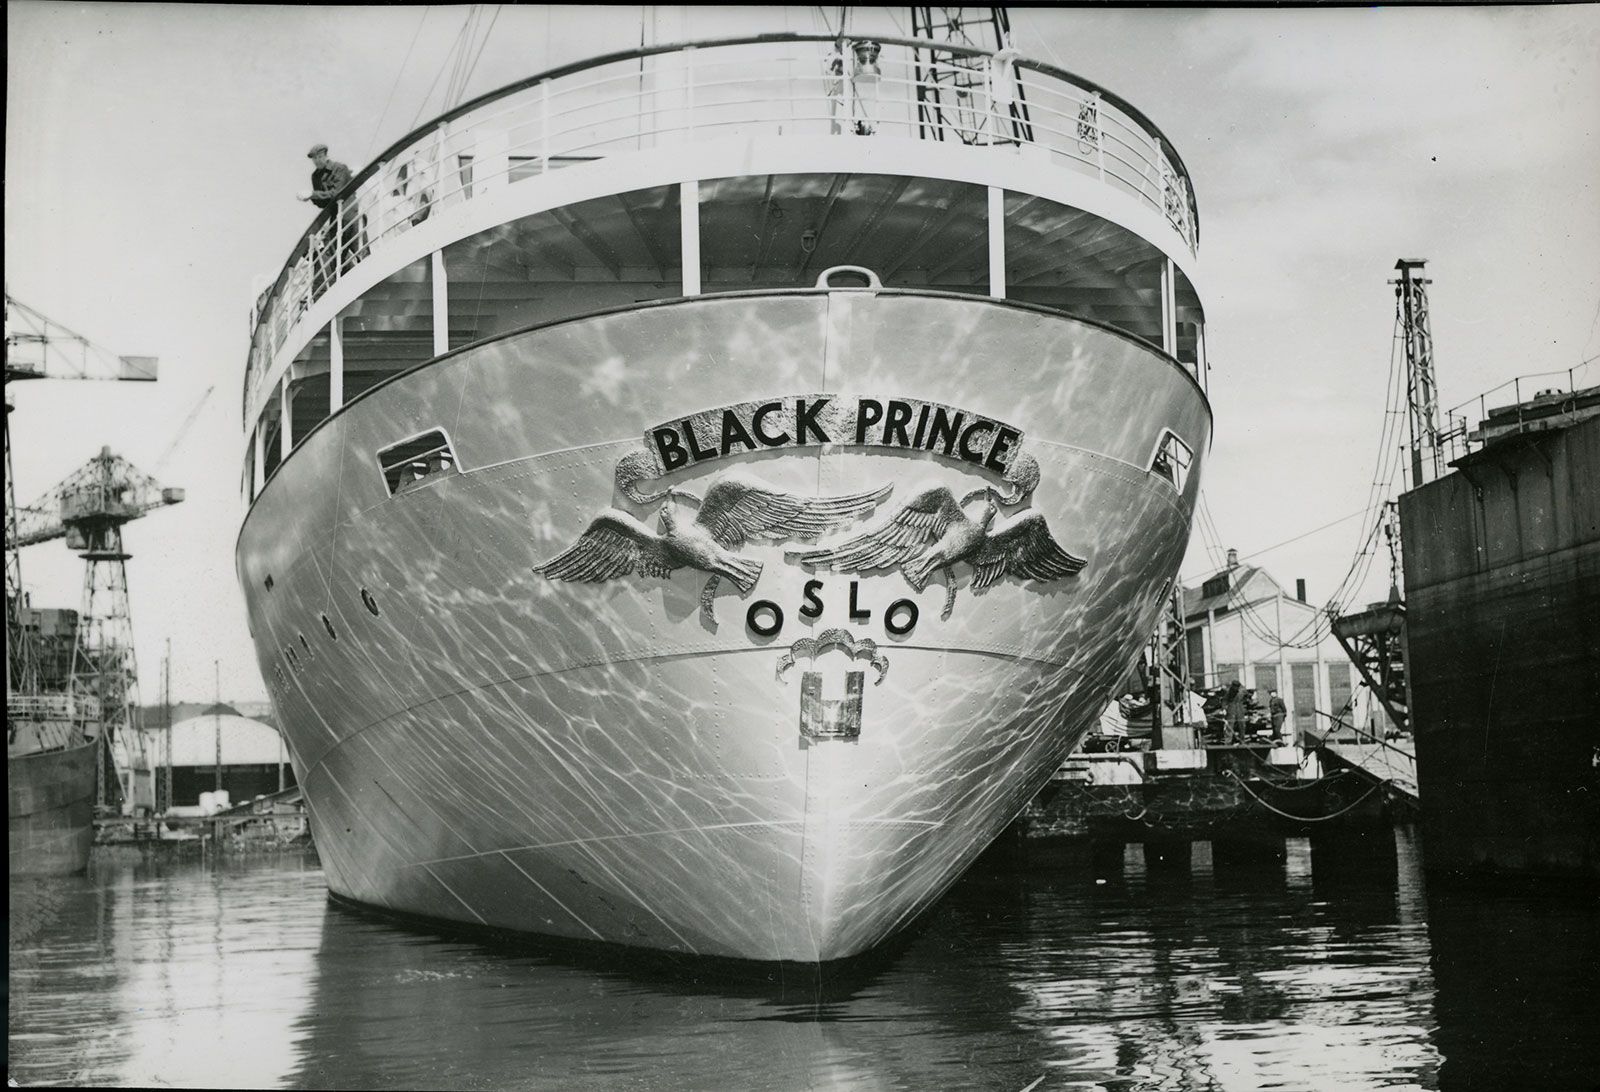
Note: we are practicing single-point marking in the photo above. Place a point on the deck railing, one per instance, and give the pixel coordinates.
(772, 85)
(1508, 404)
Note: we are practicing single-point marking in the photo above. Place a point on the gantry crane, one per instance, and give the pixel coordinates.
(88, 509)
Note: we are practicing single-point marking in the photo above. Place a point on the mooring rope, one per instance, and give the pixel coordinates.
(1304, 818)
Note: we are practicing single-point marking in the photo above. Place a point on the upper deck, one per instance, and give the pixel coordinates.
(722, 166)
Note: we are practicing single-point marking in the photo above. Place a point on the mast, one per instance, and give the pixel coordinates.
(954, 92)
(216, 718)
(165, 803)
(1422, 395)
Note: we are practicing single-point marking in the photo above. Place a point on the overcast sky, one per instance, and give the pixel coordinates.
(153, 151)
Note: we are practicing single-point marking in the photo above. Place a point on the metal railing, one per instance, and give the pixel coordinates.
(52, 707)
(1455, 436)
(791, 84)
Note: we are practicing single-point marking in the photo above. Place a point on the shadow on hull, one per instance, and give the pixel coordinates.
(778, 980)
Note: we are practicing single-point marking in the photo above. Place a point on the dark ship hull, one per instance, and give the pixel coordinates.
(1502, 564)
(50, 810)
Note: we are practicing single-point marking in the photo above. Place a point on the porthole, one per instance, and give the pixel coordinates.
(268, 581)
(327, 625)
(370, 603)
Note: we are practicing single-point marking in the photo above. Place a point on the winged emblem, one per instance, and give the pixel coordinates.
(737, 508)
(932, 533)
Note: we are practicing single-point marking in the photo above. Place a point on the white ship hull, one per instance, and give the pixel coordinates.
(482, 743)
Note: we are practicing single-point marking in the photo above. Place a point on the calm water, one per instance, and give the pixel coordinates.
(1311, 971)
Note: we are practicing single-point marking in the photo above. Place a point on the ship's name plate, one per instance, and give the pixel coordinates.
(814, 420)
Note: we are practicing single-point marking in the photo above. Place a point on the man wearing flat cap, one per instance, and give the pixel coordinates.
(328, 178)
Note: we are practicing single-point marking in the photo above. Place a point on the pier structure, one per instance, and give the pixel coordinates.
(1242, 624)
(1342, 753)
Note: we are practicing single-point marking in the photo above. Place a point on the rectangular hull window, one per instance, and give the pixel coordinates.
(1172, 460)
(418, 459)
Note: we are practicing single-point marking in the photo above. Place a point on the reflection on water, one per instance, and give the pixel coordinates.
(1299, 966)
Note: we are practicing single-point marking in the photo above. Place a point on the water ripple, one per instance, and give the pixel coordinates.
(242, 974)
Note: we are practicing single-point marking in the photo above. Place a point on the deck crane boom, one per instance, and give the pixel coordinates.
(39, 348)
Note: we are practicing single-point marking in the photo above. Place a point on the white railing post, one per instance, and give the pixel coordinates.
(441, 305)
(689, 233)
(997, 242)
(544, 127)
(258, 473)
(339, 211)
(285, 421)
(335, 364)
(1169, 310)
(688, 100)
(1093, 107)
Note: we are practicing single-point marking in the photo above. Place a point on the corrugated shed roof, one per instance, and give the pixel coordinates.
(245, 742)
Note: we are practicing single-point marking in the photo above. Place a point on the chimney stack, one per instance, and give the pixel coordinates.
(1300, 588)
(1233, 559)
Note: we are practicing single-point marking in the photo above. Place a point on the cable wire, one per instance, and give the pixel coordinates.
(372, 143)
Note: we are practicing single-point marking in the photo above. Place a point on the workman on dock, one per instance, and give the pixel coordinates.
(1236, 714)
(1278, 711)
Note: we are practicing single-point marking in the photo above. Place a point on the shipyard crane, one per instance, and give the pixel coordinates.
(88, 509)
(39, 348)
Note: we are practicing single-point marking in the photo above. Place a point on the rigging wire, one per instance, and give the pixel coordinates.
(482, 44)
(1317, 628)
(372, 143)
(1304, 534)
(1380, 488)
(427, 95)
(468, 31)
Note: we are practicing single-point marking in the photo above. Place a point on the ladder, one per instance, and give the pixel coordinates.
(953, 91)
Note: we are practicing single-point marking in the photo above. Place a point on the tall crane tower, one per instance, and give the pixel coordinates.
(1375, 638)
(1422, 393)
(88, 509)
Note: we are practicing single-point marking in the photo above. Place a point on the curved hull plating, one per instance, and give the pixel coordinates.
(50, 811)
(504, 714)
